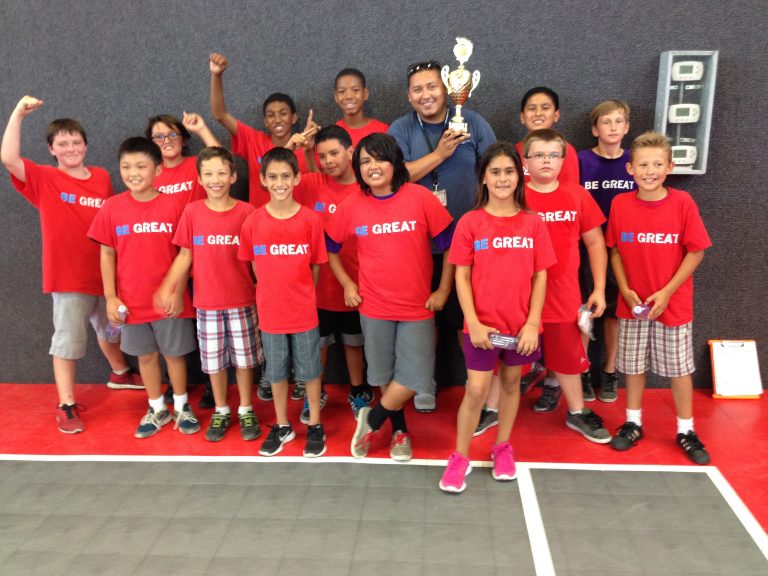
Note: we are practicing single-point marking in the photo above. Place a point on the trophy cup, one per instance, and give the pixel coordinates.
(459, 82)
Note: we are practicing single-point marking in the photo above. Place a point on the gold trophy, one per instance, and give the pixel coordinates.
(460, 83)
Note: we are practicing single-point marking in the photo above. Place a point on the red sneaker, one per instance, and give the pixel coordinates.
(68, 418)
(130, 380)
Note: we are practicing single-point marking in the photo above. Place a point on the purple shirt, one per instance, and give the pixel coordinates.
(605, 178)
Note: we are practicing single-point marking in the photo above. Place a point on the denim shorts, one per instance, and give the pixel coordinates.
(303, 348)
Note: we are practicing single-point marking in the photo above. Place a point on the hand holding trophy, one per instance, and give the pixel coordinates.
(459, 82)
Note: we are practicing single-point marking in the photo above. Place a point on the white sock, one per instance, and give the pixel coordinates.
(496, 410)
(121, 372)
(157, 404)
(244, 409)
(684, 426)
(222, 410)
(179, 401)
(635, 416)
(551, 382)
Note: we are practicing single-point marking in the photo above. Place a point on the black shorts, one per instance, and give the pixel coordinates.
(345, 323)
(450, 317)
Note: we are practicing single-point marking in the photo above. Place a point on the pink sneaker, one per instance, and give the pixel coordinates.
(503, 462)
(127, 381)
(456, 471)
(68, 418)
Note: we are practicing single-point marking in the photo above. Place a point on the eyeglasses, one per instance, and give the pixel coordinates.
(419, 66)
(163, 137)
(542, 156)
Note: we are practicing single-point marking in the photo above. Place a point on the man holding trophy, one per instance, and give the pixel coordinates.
(442, 144)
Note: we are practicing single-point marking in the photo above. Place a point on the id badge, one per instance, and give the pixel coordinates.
(441, 195)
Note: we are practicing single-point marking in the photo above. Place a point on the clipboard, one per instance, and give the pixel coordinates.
(735, 369)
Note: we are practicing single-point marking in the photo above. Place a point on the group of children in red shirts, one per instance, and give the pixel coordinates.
(347, 250)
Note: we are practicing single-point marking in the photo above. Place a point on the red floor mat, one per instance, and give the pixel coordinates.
(732, 430)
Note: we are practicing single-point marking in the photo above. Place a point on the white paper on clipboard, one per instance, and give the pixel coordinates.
(735, 369)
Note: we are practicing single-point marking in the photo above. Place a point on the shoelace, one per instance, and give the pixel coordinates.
(184, 416)
(400, 439)
(630, 432)
(247, 419)
(315, 432)
(150, 418)
(358, 402)
(72, 410)
(592, 420)
(691, 442)
(548, 393)
(219, 420)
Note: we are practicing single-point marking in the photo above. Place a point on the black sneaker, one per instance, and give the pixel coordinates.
(549, 399)
(168, 395)
(590, 425)
(488, 419)
(264, 389)
(586, 387)
(298, 391)
(608, 387)
(206, 400)
(535, 375)
(627, 436)
(315, 445)
(693, 448)
(249, 426)
(276, 439)
(218, 427)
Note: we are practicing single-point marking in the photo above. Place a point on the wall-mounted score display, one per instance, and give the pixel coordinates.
(684, 101)
(687, 71)
(684, 155)
(684, 113)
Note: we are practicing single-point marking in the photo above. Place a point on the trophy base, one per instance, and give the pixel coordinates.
(458, 126)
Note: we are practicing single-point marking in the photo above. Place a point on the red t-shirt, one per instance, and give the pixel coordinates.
(323, 194)
(652, 239)
(67, 206)
(222, 280)
(282, 252)
(570, 170)
(142, 235)
(181, 181)
(252, 144)
(393, 246)
(504, 253)
(568, 212)
(358, 134)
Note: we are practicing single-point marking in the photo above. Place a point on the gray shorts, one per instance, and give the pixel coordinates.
(72, 311)
(302, 347)
(403, 351)
(171, 337)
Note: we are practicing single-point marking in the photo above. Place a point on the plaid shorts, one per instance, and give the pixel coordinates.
(649, 345)
(228, 338)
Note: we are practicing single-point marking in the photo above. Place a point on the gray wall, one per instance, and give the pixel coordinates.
(113, 63)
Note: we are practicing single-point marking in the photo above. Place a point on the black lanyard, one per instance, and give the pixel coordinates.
(435, 178)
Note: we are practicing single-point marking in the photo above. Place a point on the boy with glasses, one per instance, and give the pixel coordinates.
(570, 214)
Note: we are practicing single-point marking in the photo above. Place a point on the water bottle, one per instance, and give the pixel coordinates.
(505, 341)
(641, 311)
(114, 330)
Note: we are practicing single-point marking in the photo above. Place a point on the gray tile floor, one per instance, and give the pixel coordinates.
(323, 518)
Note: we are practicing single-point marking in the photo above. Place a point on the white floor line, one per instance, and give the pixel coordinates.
(749, 522)
(537, 536)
